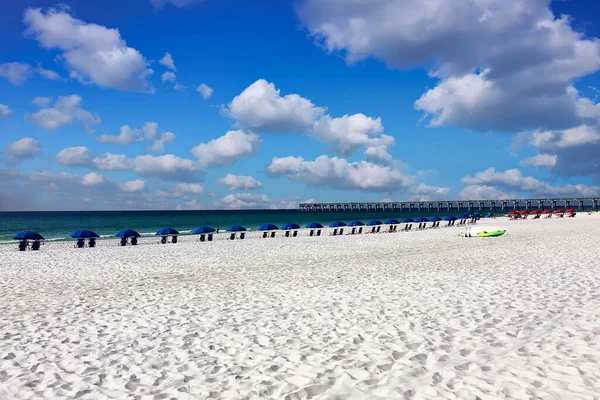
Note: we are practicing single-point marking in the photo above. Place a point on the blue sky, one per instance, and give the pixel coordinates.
(228, 104)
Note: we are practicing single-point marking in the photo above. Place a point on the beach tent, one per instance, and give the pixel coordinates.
(407, 220)
(314, 225)
(392, 221)
(84, 234)
(202, 230)
(421, 219)
(290, 226)
(166, 232)
(127, 233)
(374, 222)
(236, 228)
(27, 235)
(336, 224)
(268, 227)
(356, 223)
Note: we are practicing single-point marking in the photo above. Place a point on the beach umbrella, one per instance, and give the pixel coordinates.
(236, 228)
(268, 227)
(127, 233)
(524, 212)
(166, 232)
(450, 218)
(461, 216)
(84, 234)
(374, 222)
(355, 223)
(406, 220)
(392, 221)
(559, 212)
(547, 212)
(27, 235)
(570, 210)
(336, 224)
(421, 219)
(535, 212)
(314, 225)
(290, 226)
(487, 215)
(435, 219)
(203, 229)
(476, 215)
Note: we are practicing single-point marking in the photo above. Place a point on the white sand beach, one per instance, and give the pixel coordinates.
(416, 315)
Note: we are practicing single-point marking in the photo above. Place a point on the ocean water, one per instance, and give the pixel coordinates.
(57, 225)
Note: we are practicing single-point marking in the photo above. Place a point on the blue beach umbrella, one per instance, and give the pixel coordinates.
(336, 224)
(268, 227)
(203, 229)
(476, 215)
(435, 219)
(84, 234)
(290, 226)
(314, 225)
(407, 220)
(463, 216)
(392, 221)
(127, 233)
(27, 235)
(236, 228)
(450, 218)
(374, 222)
(487, 215)
(421, 219)
(355, 223)
(166, 232)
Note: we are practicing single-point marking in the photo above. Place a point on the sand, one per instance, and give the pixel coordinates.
(418, 315)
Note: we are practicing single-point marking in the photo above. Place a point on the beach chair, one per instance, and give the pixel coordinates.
(202, 238)
(123, 241)
(243, 235)
(409, 227)
(210, 237)
(92, 242)
(353, 232)
(373, 229)
(22, 245)
(35, 245)
(295, 234)
(163, 240)
(341, 231)
(360, 230)
(287, 233)
(134, 241)
(311, 233)
(319, 232)
(265, 234)
(232, 236)
(334, 233)
(80, 244)
(273, 234)
(174, 240)
(378, 229)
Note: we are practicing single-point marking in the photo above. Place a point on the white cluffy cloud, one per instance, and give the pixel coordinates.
(540, 160)
(205, 91)
(149, 132)
(338, 173)
(21, 150)
(423, 192)
(168, 77)
(239, 201)
(238, 182)
(260, 108)
(5, 111)
(134, 186)
(66, 111)
(227, 149)
(92, 53)
(167, 61)
(500, 65)
(19, 73)
(81, 156)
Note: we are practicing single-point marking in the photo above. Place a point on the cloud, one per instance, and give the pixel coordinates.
(92, 53)
(19, 73)
(134, 186)
(188, 188)
(540, 160)
(66, 110)
(237, 182)
(227, 149)
(261, 108)
(5, 111)
(378, 155)
(148, 132)
(20, 150)
(167, 167)
(513, 180)
(483, 192)
(423, 192)
(500, 65)
(80, 156)
(160, 4)
(205, 91)
(168, 77)
(48, 74)
(92, 179)
(112, 162)
(167, 61)
(340, 174)
(240, 201)
(41, 101)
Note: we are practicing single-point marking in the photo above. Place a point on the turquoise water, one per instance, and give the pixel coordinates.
(59, 224)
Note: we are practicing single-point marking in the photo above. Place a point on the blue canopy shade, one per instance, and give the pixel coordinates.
(487, 215)
(27, 235)
(392, 221)
(476, 215)
(167, 231)
(127, 233)
(435, 219)
(314, 225)
(203, 229)
(463, 216)
(421, 219)
(290, 226)
(84, 234)
(336, 224)
(236, 228)
(405, 220)
(374, 222)
(268, 227)
(355, 223)
(450, 218)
